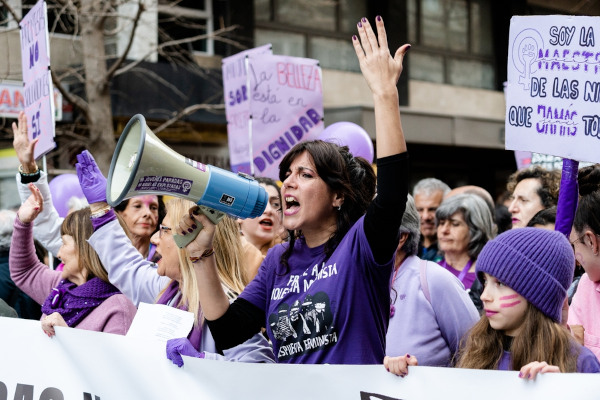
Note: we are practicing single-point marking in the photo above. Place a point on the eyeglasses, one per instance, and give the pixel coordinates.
(577, 240)
(162, 229)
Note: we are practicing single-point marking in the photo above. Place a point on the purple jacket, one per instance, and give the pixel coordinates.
(114, 315)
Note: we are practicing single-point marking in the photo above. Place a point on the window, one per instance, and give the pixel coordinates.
(453, 41)
(319, 29)
(185, 19)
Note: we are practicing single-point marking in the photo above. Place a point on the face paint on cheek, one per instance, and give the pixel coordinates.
(511, 304)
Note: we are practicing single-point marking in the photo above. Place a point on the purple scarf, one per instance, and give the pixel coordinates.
(170, 292)
(74, 303)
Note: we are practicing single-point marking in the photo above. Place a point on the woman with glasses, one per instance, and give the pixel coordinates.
(172, 280)
(585, 238)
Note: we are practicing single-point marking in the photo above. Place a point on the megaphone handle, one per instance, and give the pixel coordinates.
(215, 216)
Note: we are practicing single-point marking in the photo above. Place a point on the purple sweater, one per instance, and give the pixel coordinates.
(114, 315)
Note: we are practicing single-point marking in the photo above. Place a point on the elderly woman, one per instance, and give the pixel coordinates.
(464, 225)
(423, 292)
(80, 295)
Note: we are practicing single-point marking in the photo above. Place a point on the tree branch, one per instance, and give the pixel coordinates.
(111, 72)
(11, 11)
(77, 101)
(174, 42)
(187, 111)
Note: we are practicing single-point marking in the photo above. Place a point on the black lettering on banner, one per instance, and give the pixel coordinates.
(51, 394)
(23, 392)
(371, 396)
(88, 396)
(3, 391)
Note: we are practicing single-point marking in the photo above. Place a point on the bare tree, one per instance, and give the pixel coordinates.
(93, 22)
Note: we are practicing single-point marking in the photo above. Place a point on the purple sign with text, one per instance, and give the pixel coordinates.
(37, 81)
(237, 106)
(553, 88)
(286, 107)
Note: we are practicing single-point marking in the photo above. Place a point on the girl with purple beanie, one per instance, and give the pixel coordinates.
(526, 273)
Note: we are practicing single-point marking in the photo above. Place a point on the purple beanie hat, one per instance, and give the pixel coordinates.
(536, 263)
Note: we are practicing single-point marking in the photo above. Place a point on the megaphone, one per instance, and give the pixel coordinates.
(142, 164)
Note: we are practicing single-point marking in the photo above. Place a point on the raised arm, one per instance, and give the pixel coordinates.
(382, 71)
(48, 222)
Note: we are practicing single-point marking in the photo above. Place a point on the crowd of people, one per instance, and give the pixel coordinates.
(343, 267)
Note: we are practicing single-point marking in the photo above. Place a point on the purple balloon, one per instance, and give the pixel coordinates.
(62, 188)
(351, 135)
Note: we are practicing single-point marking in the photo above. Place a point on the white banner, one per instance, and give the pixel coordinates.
(78, 364)
(553, 88)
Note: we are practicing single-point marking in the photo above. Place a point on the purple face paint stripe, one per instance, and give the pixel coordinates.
(507, 305)
(512, 296)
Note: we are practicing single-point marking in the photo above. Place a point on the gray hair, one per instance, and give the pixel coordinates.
(411, 224)
(428, 186)
(477, 217)
(7, 221)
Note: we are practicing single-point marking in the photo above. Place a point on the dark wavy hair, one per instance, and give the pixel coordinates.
(589, 201)
(162, 210)
(549, 180)
(351, 177)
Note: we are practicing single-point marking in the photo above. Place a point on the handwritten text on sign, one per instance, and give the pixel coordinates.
(553, 89)
(37, 82)
(286, 104)
(237, 107)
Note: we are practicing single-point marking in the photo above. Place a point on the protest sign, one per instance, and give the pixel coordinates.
(37, 81)
(553, 88)
(12, 100)
(237, 106)
(286, 107)
(80, 364)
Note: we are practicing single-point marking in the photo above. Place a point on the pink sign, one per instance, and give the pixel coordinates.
(237, 107)
(37, 81)
(286, 107)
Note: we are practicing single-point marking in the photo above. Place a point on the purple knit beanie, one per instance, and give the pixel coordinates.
(536, 263)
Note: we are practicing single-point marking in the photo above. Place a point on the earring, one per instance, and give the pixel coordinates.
(339, 207)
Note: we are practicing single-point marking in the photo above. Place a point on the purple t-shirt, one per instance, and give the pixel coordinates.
(466, 278)
(331, 311)
(586, 362)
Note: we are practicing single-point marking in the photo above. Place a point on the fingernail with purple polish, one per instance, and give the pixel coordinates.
(190, 230)
(194, 226)
(364, 19)
(378, 18)
(354, 37)
(408, 356)
(520, 375)
(359, 24)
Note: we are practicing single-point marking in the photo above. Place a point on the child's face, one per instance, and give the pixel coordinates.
(504, 308)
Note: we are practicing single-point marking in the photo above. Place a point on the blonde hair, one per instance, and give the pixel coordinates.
(77, 224)
(228, 255)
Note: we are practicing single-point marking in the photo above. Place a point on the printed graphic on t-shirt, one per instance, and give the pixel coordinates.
(303, 326)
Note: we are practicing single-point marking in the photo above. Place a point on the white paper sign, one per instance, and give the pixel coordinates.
(37, 80)
(553, 90)
(160, 322)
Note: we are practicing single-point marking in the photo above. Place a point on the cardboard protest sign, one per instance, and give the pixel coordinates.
(237, 106)
(286, 107)
(553, 86)
(37, 81)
